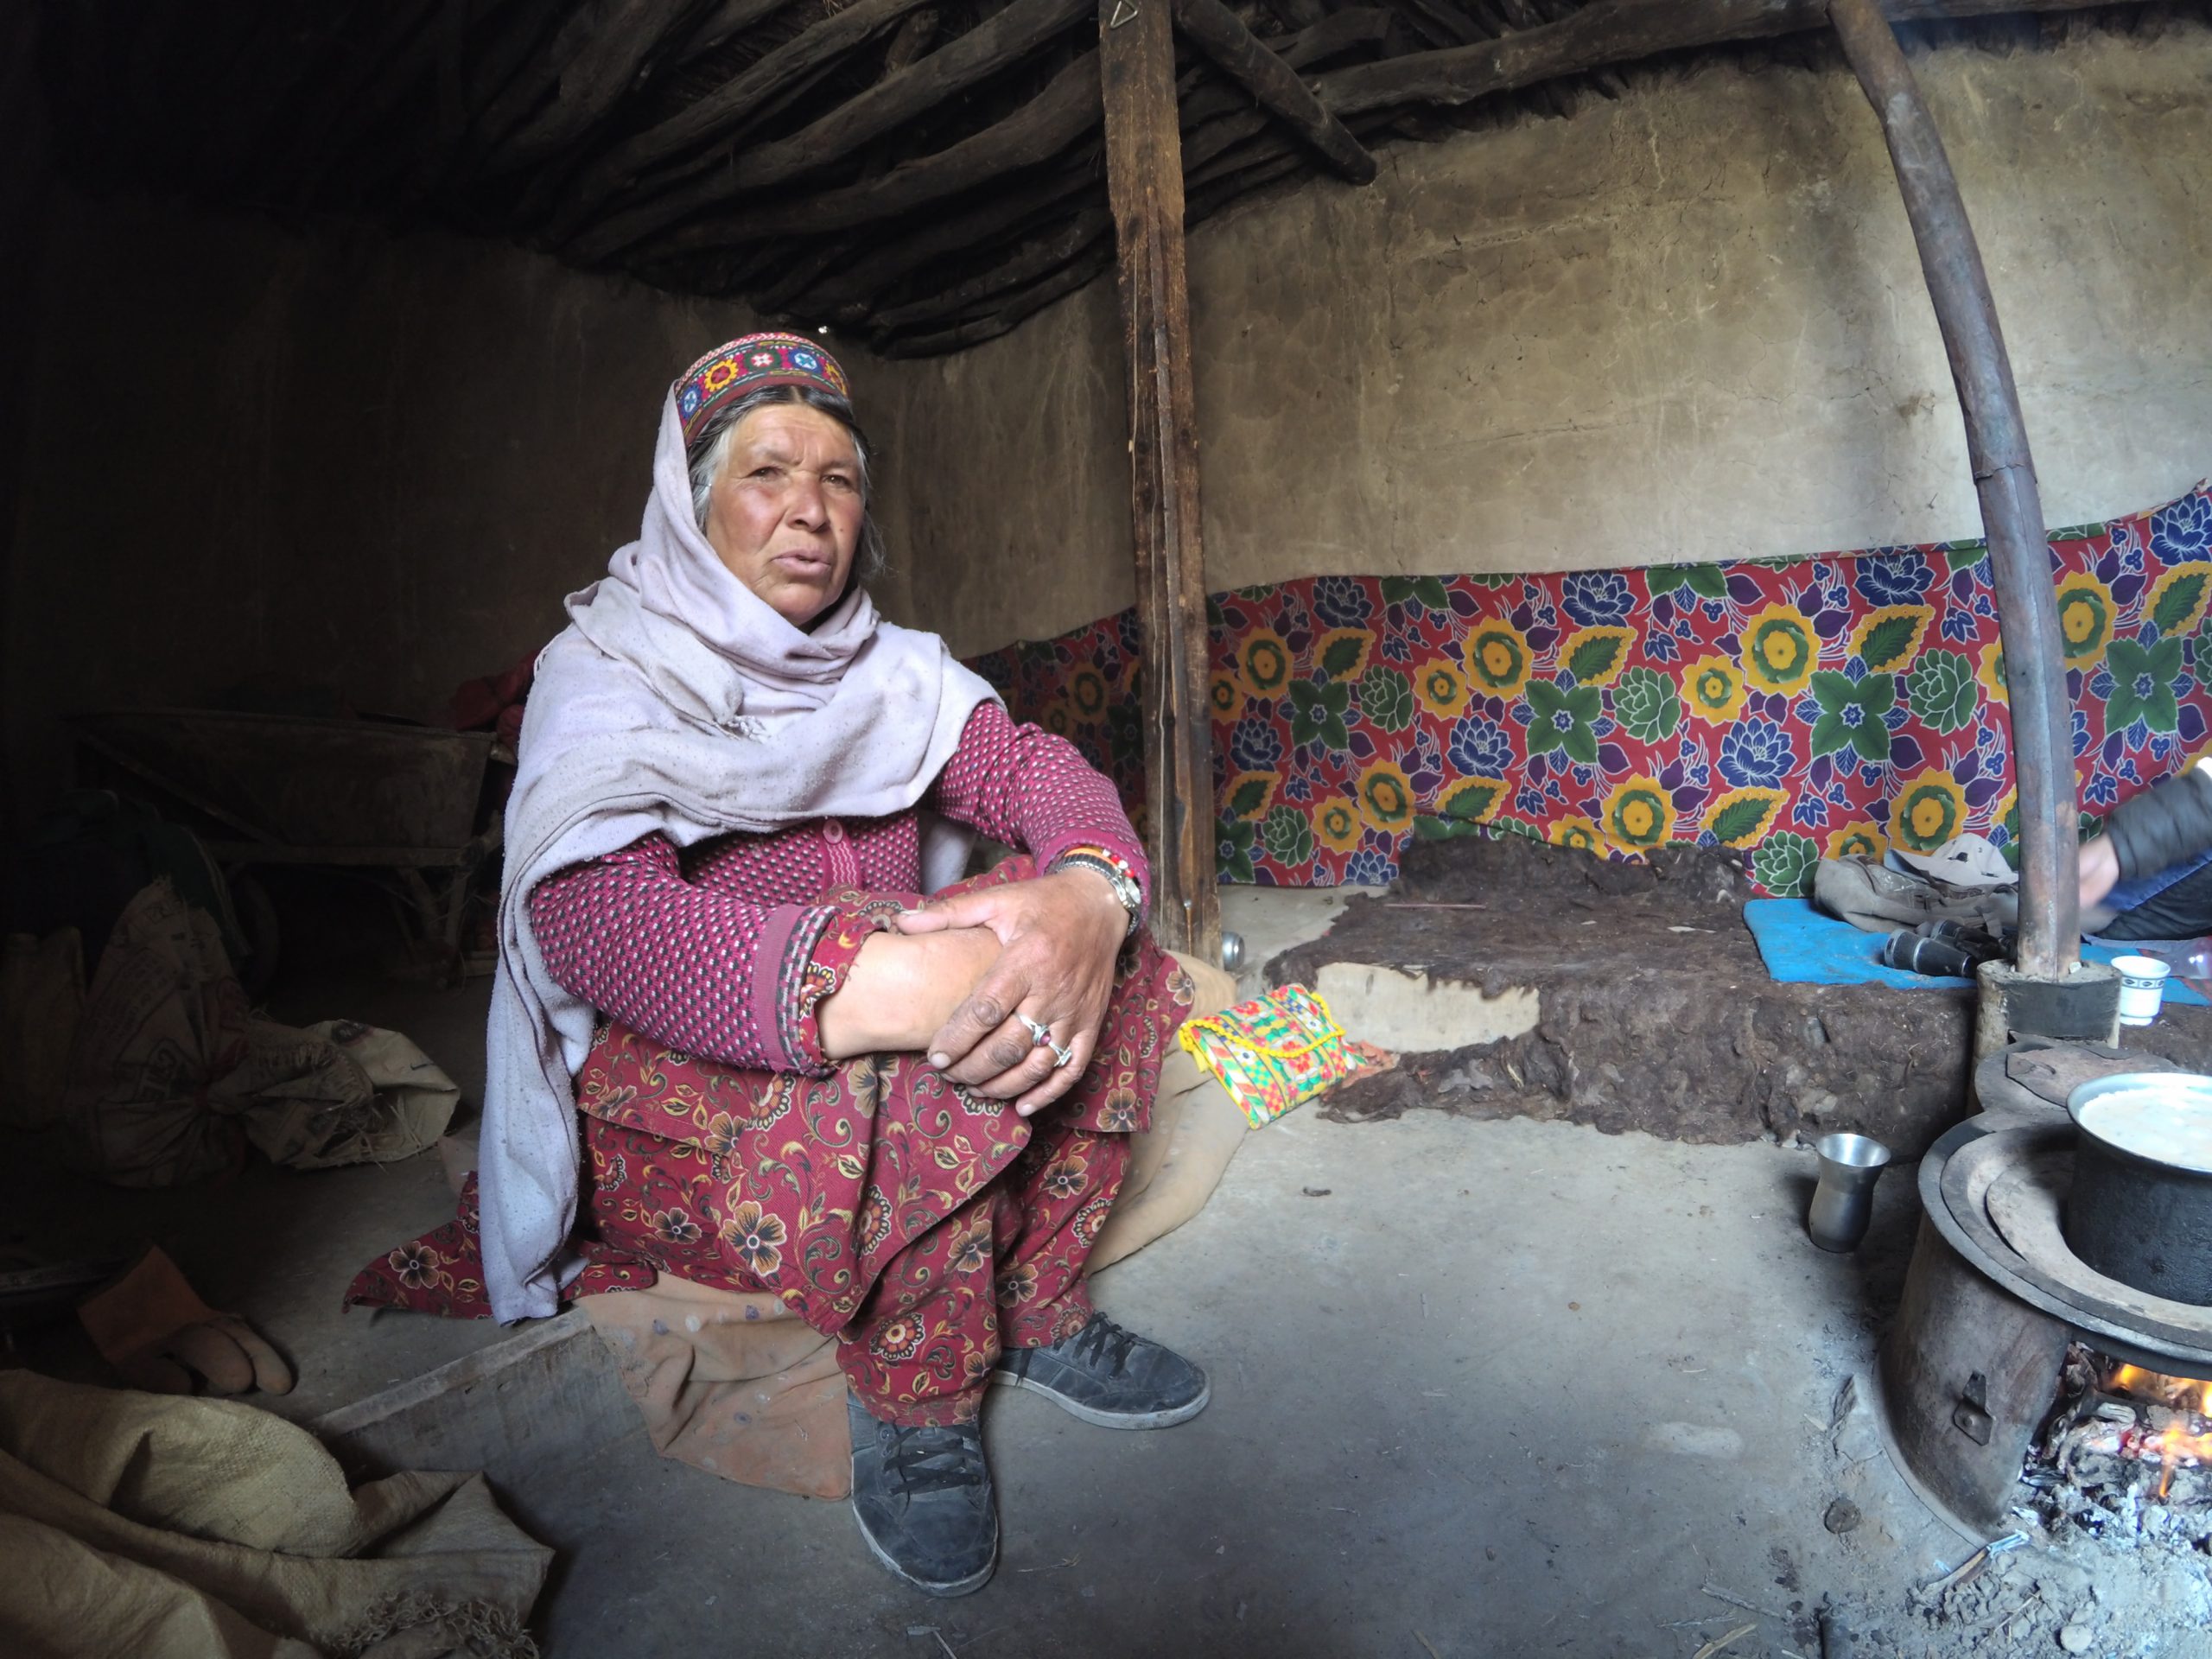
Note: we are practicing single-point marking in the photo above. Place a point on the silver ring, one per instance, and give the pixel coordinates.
(1065, 1055)
(1040, 1036)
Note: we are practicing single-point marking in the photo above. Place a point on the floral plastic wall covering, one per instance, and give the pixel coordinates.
(1794, 708)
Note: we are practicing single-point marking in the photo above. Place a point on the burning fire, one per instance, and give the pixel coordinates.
(2184, 1436)
(2176, 1393)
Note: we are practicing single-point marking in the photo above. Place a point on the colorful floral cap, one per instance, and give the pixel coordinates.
(751, 363)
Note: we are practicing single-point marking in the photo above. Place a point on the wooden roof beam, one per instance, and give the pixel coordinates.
(847, 296)
(1026, 262)
(728, 20)
(993, 45)
(725, 109)
(1064, 111)
(1077, 273)
(1217, 32)
(915, 36)
(1608, 32)
(622, 36)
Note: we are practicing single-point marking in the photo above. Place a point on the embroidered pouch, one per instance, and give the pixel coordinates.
(1281, 1047)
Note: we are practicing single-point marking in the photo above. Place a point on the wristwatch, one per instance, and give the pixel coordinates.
(1117, 873)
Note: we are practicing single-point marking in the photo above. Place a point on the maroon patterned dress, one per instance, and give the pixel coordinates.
(924, 1227)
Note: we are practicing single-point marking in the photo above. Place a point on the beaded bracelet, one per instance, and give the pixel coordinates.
(1122, 878)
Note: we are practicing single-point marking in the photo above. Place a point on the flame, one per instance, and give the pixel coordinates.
(2188, 1438)
(2174, 1445)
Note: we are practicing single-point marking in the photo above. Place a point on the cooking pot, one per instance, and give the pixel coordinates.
(2140, 1211)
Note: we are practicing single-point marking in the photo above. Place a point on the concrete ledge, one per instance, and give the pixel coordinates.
(546, 1396)
(1405, 1011)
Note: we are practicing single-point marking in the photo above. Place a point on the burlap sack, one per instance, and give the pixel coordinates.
(164, 1021)
(339, 1092)
(167, 1527)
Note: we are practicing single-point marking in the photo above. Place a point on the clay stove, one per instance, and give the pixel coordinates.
(1992, 1300)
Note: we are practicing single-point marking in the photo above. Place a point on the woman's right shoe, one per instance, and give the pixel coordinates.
(1109, 1376)
(923, 1498)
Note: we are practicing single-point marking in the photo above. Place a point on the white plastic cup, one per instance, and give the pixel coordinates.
(2142, 987)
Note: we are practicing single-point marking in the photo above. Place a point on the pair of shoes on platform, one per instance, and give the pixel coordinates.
(923, 1495)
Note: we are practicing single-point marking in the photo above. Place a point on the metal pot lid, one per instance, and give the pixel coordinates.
(2160, 1117)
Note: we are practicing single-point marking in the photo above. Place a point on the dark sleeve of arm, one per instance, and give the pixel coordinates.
(1022, 785)
(2163, 825)
(698, 970)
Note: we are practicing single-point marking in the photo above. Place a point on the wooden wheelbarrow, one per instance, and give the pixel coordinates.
(399, 801)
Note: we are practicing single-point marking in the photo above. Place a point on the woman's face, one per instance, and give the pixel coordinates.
(785, 515)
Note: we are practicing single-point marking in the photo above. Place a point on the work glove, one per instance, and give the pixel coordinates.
(150, 1326)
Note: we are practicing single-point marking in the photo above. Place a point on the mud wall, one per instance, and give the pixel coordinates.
(24, 186)
(1687, 325)
(317, 460)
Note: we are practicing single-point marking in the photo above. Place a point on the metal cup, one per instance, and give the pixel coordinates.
(1843, 1201)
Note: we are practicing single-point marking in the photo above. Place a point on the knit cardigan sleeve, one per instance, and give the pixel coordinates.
(695, 968)
(1022, 785)
(703, 970)
(2163, 825)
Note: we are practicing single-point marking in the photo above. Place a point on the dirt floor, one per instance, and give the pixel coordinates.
(1483, 1386)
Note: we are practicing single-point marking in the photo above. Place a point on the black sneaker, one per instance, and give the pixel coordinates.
(923, 1496)
(1109, 1376)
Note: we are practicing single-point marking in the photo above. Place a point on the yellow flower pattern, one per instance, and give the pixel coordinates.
(1784, 710)
(1990, 671)
(1265, 661)
(1931, 809)
(1638, 815)
(2084, 619)
(1858, 839)
(1442, 688)
(1386, 798)
(1780, 650)
(1337, 825)
(1498, 658)
(1712, 689)
(1575, 831)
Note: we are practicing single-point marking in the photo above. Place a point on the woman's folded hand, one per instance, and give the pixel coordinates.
(899, 991)
(1058, 936)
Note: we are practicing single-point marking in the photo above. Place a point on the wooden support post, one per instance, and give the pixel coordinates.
(1144, 181)
(2004, 477)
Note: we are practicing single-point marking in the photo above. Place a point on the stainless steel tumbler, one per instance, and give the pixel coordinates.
(1843, 1203)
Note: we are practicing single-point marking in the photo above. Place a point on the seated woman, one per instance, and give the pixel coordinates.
(2149, 875)
(908, 1124)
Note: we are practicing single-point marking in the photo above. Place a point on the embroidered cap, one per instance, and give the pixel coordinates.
(751, 363)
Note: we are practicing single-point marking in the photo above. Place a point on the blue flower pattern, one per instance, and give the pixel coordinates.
(1598, 598)
(1480, 749)
(1341, 601)
(1757, 753)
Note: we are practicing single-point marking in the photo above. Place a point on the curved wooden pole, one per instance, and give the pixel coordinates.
(2005, 478)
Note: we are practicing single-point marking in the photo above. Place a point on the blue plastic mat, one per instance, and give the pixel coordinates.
(1802, 947)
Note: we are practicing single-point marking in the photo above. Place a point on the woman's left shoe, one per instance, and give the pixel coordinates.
(1109, 1376)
